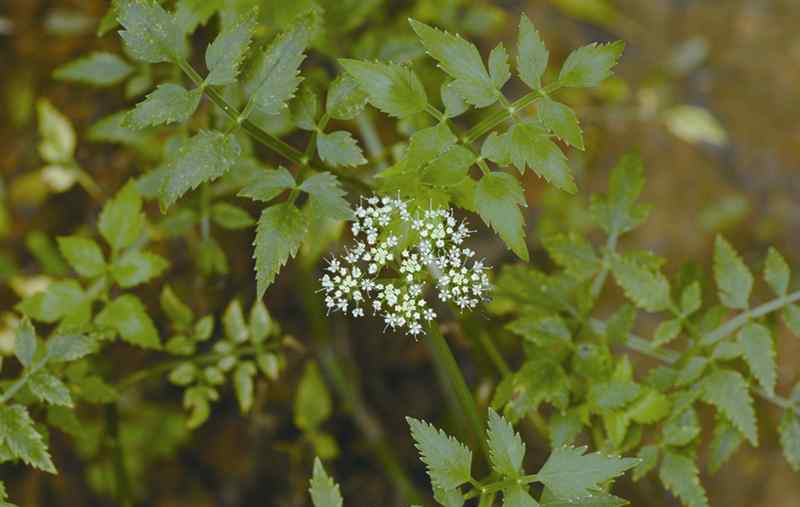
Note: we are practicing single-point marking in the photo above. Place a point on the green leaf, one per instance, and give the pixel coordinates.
(613, 394)
(545, 331)
(83, 255)
(61, 300)
(529, 145)
(505, 446)
(680, 475)
(122, 222)
(776, 272)
(275, 74)
(564, 428)
(326, 196)
(645, 288)
(64, 348)
(681, 428)
(58, 135)
(305, 108)
(128, 316)
(666, 331)
(499, 69)
(261, 324)
(151, 33)
(561, 121)
(449, 168)
(231, 217)
(518, 496)
(224, 56)
(596, 500)
(169, 103)
(532, 55)
(724, 444)
(135, 268)
(97, 68)
(454, 105)
(590, 65)
(448, 461)
(462, 61)
(648, 456)
(571, 474)
(393, 88)
(729, 392)
(789, 430)
(650, 408)
(21, 438)
(49, 389)
(759, 353)
(243, 385)
(177, 311)
(205, 157)
(189, 14)
(497, 198)
(691, 298)
(233, 321)
(280, 230)
(268, 185)
(618, 212)
(791, 317)
(345, 99)
(574, 253)
(25, 343)
(339, 149)
(324, 491)
(734, 280)
(691, 371)
(312, 404)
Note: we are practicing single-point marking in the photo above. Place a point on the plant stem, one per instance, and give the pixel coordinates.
(744, 317)
(454, 381)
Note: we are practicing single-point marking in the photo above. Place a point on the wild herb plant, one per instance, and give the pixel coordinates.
(220, 126)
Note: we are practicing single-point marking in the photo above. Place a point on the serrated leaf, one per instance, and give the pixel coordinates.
(499, 69)
(691, 298)
(324, 491)
(231, 217)
(666, 331)
(121, 221)
(97, 69)
(312, 404)
(561, 120)
(529, 145)
(589, 65)
(393, 88)
(151, 33)
(25, 342)
(681, 428)
(518, 496)
(326, 196)
(224, 56)
(49, 389)
(339, 149)
(613, 394)
(648, 455)
(345, 98)
(759, 353)
(506, 448)
(305, 108)
(650, 408)
(776, 272)
(595, 500)
(61, 300)
(734, 280)
(454, 105)
(268, 185)
(135, 268)
(448, 461)
(275, 75)
(645, 288)
(462, 61)
(680, 475)
(83, 254)
(449, 168)
(532, 55)
(618, 211)
(128, 316)
(497, 199)
(189, 14)
(571, 474)
(725, 442)
(18, 434)
(789, 430)
(729, 392)
(574, 253)
(64, 348)
(280, 230)
(691, 371)
(169, 103)
(203, 158)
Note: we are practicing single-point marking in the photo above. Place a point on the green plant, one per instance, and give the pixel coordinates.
(221, 142)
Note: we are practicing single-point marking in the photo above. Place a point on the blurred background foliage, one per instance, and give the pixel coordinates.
(707, 92)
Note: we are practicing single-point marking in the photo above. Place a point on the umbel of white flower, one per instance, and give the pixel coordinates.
(396, 254)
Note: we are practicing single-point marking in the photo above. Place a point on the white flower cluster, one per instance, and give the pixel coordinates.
(388, 274)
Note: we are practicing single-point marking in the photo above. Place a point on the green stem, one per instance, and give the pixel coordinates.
(743, 318)
(454, 381)
(14, 388)
(495, 487)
